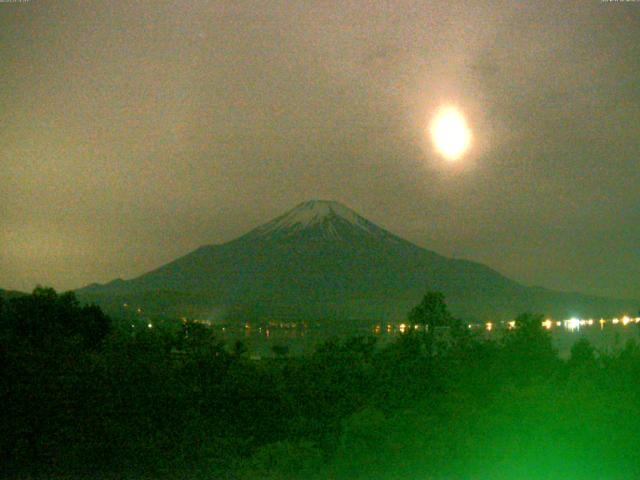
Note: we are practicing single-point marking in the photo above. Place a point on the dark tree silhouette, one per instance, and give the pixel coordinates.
(173, 402)
(529, 349)
(44, 316)
(582, 354)
(431, 314)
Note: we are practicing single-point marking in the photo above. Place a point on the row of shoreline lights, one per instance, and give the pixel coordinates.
(569, 324)
(575, 323)
(548, 324)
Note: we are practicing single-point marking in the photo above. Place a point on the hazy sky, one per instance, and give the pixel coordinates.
(134, 132)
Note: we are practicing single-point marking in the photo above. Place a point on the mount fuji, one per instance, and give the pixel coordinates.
(323, 261)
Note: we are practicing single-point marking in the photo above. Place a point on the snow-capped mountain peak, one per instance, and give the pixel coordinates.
(318, 213)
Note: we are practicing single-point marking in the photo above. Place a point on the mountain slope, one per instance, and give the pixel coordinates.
(322, 260)
(9, 294)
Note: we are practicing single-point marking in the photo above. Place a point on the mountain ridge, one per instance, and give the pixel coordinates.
(321, 259)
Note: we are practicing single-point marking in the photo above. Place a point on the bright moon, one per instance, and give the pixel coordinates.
(450, 133)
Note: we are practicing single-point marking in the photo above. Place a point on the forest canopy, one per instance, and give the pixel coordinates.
(83, 398)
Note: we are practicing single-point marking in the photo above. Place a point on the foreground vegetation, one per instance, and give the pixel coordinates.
(81, 398)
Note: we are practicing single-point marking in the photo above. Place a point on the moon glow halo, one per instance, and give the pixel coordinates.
(450, 133)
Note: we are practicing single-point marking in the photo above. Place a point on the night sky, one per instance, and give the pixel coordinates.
(131, 135)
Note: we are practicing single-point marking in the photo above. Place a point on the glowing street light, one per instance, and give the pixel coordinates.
(573, 324)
